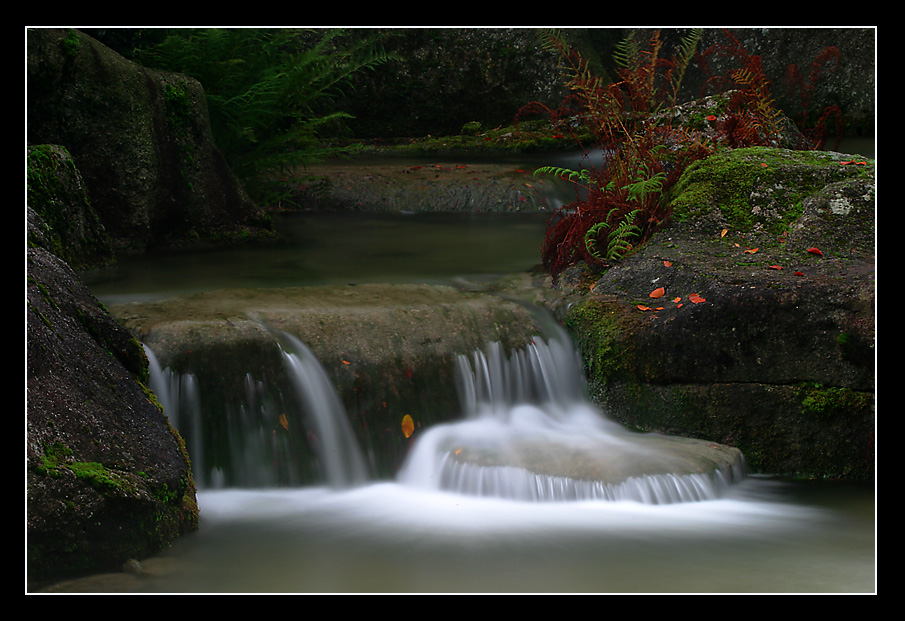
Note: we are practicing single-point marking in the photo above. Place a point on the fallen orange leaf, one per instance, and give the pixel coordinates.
(644, 308)
(408, 426)
(799, 274)
(677, 300)
(723, 232)
(774, 267)
(751, 250)
(694, 297)
(667, 263)
(659, 292)
(346, 362)
(284, 422)
(815, 251)
(679, 305)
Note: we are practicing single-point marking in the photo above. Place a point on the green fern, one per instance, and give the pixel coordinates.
(644, 185)
(575, 176)
(626, 52)
(684, 55)
(618, 239)
(270, 92)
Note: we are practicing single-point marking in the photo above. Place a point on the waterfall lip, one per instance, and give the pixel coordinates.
(529, 432)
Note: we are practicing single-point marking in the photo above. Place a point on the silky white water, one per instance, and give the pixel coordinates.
(764, 536)
(410, 535)
(529, 433)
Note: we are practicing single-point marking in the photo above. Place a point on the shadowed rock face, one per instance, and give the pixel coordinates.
(102, 457)
(141, 140)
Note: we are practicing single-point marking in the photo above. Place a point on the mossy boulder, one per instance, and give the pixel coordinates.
(108, 478)
(141, 140)
(775, 354)
(60, 214)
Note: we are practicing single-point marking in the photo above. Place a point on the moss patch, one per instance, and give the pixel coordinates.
(758, 187)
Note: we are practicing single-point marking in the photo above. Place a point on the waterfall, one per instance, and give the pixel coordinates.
(528, 433)
(344, 464)
(531, 434)
(268, 439)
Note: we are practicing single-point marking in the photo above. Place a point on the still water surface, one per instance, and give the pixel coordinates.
(337, 248)
(768, 536)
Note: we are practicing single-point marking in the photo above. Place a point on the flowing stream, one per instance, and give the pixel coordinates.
(461, 522)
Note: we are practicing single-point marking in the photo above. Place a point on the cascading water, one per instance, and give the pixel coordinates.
(531, 434)
(261, 448)
(344, 465)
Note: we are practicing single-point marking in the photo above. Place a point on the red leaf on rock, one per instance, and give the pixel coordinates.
(643, 308)
(657, 293)
(694, 297)
(815, 251)
(774, 267)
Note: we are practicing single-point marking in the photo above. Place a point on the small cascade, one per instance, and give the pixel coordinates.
(271, 437)
(531, 434)
(344, 464)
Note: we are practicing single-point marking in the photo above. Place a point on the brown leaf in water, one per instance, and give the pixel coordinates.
(408, 426)
(283, 422)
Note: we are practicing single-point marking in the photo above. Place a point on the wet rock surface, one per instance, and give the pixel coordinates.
(101, 456)
(750, 319)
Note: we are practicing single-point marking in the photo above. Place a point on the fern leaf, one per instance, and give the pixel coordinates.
(575, 176)
(618, 239)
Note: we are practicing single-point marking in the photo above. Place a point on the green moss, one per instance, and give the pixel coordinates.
(599, 333)
(98, 476)
(70, 44)
(756, 186)
(57, 458)
(830, 401)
